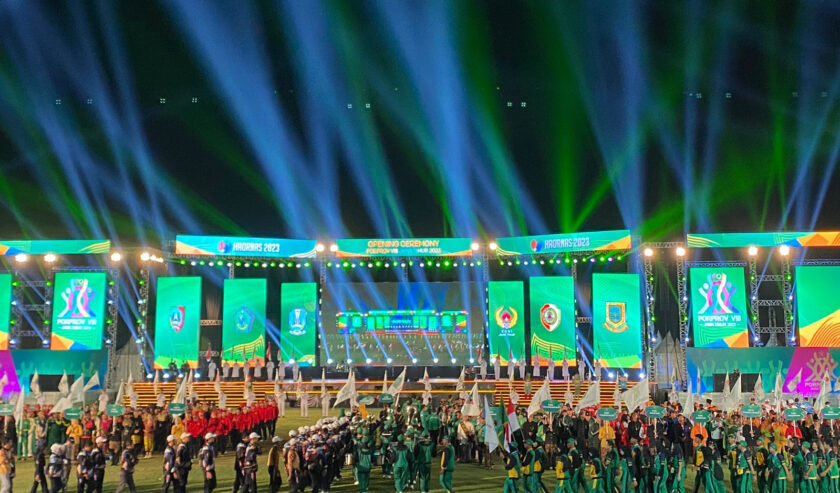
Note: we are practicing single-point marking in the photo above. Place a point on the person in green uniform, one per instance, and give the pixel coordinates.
(411, 445)
(798, 465)
(677, 469)
(811, 463)
(660, 470)
(562, 472)
(732, 461)
(776, 471)
(610, 463)
(623, 478)
(385, 447)
(744, 469)
(56, 429)
(760, 466)
(576, 461)
(528, 467)
(704, 464)
(833, 468)
(540, 466)
(423, 459)
(825, 468)
(447, 464)
(717, 469)
(399, 455)
(637, 457)
(513, 471)
(433, 425)
(24, 426)
(362, 461)
(595, 472)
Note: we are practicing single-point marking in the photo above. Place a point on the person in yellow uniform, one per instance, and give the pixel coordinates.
(75, 432)
(562, 471)
(595, 472)
(513, 470)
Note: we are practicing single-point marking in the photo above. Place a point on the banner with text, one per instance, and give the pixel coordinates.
(298, 320)
(177, 320)
(5, 310)
(719, 307)
(58, 247)
(232, 246)
(562, 243)
(743, 240)
(243, 320)
(506, 331)
(78, 311)
(552, 302)
(409, 247)
(818, 306)
(617, 320)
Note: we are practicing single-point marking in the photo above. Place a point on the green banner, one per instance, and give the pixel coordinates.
(298, 321)
(407, 247)
(743, 240)
(5, 310)
(719, 307)
(552, 303)
(817, 308)
(562, 243)
(177, 320)
(506, 332)
(617, 320)
(78, 311)
(234, 246)
(58, 247)
(243, 320)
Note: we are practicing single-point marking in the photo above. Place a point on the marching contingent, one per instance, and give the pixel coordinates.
(742, 444)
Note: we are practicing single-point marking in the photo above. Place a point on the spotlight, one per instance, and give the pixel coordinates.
(474, 246)
(368, 361)
(329, 361)
(653, 339)
(319, 247)
(414, 360)
(165, 374)
(21, 258)
(680, 252)
(149, 375)
(333, 247)
(453, 361)
(435, 360)
(492, 246)
(752, 251)
(648, 252)
(641, 374)
(472, 360)
(389, 361)
(610, 374)
(784, 250)
(145, 256)
(116, 257)
(50, 258)
(292, 361)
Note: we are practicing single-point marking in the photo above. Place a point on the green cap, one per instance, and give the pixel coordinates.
(774, 446)
(743, 443)
(571, 441)
(806, 444)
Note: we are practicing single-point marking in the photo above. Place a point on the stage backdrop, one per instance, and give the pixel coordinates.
(616, 320)
(177, 318)
(818, 306)
(506, 332)
(5, 309)
(719, 307)
(243, 320)
(298, 318)
(552, 303)
(78, 310)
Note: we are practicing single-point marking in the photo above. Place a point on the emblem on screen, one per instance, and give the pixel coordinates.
(176, 318)
(550, 316)
(297, 322)
(506, 318)
(77, 298)
(717, 294)
(536, 246)
(244, 320)
(616, 317)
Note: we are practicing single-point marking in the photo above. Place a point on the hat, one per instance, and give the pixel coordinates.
(571, 441)
(806, 445)
(101, 440)
(292, 433)
(171, 438)
(185, 435)
(275, 440)
(743, 443)
(56, 448)
(208, 436)
(774, 446)
(253, 435)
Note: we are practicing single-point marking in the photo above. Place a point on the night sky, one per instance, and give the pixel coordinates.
(376, 119)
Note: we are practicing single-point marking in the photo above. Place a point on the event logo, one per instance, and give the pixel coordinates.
(297, 322)
(506, 319)
(821, 364)
(616, 317)
(536, 246)
(550, 316)
(176, 318)
(223, 247)
(717, 293)
(77, 298)
(244, 320)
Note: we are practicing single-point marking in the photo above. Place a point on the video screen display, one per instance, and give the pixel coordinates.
(422, 323)
(78, 316)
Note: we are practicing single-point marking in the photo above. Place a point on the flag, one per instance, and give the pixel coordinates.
(637, 396)
(470, 407)
(63, 384)
(93, 382)
(120, 393)
(825, 388)
(490, 437)
(791, 387)
(396, 387)
(217, 384)
(156, 382)
(513, 421)
(777, 392)
(591, 398)
(323, 382)
(18, 413)
(181, 394)
(732, 402)
(688, 403)
(726, 388)
(207, 355)
(103, 401)
(459, 387)
(61, 405)
(543, 394)
(427, 387)
(348, 391)
(77, 392)
(758, 390)
(193, 393)
(129, 384)
(34, 385)
(385, 382)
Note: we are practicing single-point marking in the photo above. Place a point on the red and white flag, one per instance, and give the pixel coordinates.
(207, 356)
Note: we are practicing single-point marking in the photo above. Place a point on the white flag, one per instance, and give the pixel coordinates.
(777, 392)
(62, 405)
(591, 398)
(732, 402)
(323, 382)
(181, 394)
(793, 384)
(726, 388)
(63, 384)
(103, 401)
(459, 387)
(543, 394)
(348, 391)
(825, 388)
(18, 414)
(217, 384)
(758, 390)
(490, 436)
(396, 387)
(637, 396)
(34, 385)
(470, 407)
(120, 393)
(156, 382)
(427, 387)
(77, 390)
(688, 403)
(93, 382)
(129, 384)
(385, 382)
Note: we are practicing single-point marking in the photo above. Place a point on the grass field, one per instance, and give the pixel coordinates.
(148, 477)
